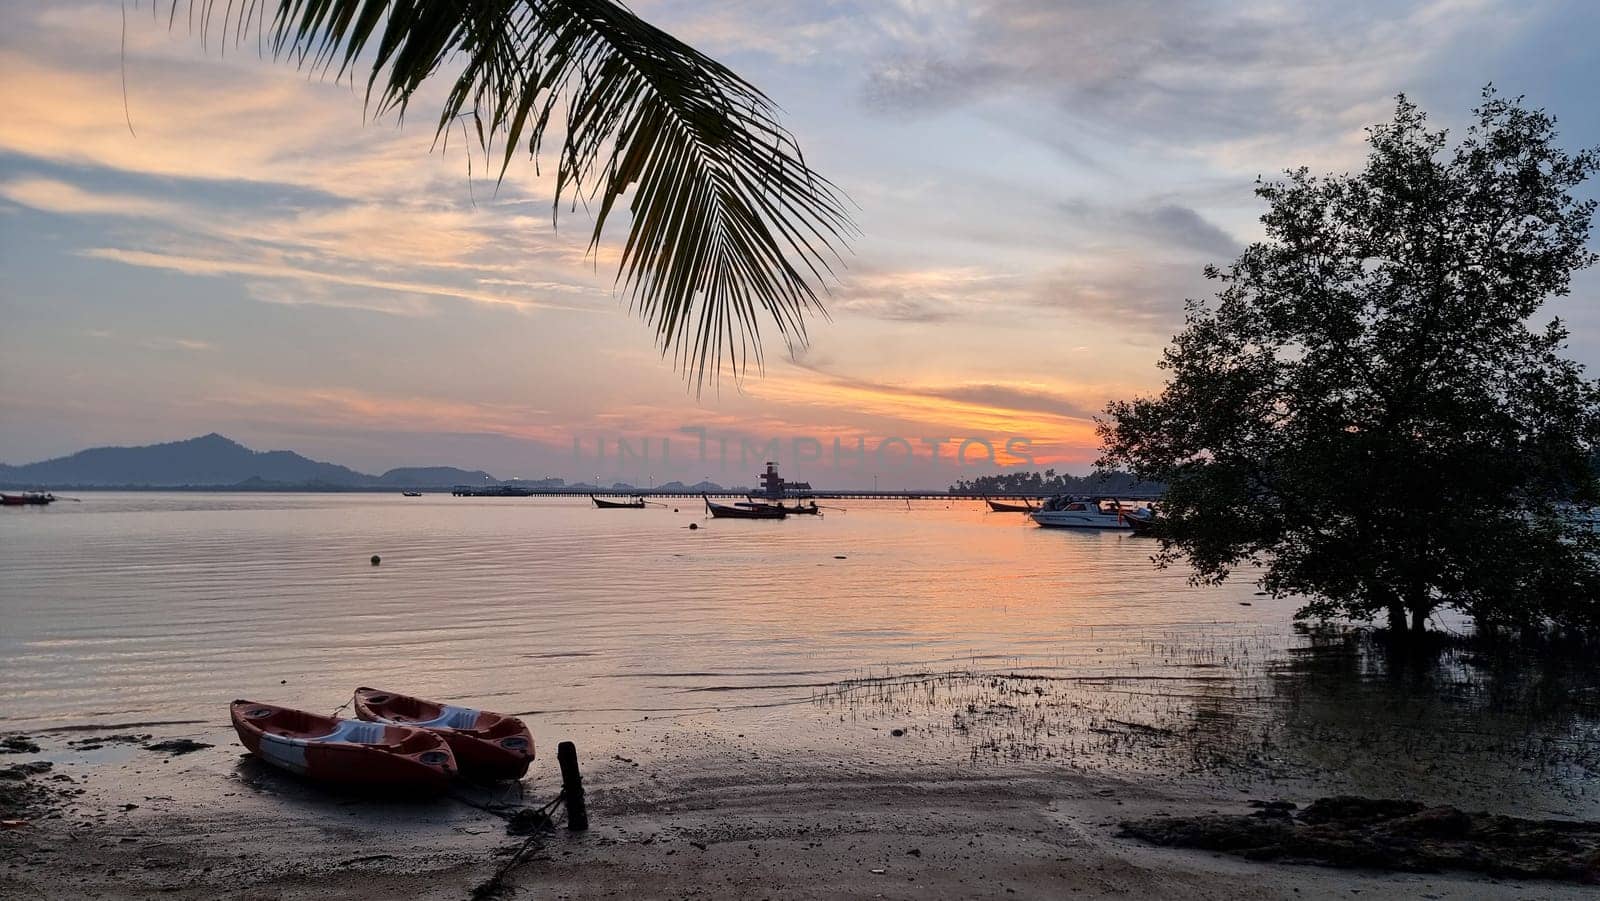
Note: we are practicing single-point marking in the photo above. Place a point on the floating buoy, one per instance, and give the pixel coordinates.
(376, 559)
(674, 509)
(694, 525)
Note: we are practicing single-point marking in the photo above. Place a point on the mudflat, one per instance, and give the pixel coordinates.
(133, 818)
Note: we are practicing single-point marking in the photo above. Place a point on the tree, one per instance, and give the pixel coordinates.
(1365, 413)
(729, 225)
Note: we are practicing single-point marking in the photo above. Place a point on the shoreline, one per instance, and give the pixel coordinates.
(681, 817)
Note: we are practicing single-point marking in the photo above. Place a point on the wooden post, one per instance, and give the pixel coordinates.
(572, 787)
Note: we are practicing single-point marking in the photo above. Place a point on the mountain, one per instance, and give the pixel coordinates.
(218, 462)
(431, 477)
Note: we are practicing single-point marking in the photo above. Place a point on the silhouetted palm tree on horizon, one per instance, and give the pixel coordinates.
(728, 223)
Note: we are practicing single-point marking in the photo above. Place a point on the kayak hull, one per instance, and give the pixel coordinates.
(345, 753)
(488, 746)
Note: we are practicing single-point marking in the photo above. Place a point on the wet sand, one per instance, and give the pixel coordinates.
(683, 818)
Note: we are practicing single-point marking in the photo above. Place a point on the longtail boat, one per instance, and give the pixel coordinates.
(798, 509)
(30, 498)
(486, 745)
(635, 504)
(999, 507)
(348, 753)
(724, 511)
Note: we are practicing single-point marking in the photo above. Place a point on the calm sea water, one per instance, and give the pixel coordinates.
(143, 605)
(138, 607)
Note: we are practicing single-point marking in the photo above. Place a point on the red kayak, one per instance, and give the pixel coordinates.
(344, 752)
(487, 745)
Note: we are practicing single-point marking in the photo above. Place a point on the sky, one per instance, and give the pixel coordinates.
(239, 248)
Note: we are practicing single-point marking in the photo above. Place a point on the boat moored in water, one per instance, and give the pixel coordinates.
(1082, 513)
(635, 504)
(999, 507)
(726, 511)
(347, 753)
(27, 499)
(486, 745)
(798, 509)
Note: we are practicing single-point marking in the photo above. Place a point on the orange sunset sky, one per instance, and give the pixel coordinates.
(1038, 184)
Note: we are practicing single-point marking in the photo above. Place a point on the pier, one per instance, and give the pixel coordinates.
(772, 487)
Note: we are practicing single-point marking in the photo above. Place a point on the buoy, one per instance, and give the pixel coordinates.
(694, 525)
(674, 509)
(376, 559)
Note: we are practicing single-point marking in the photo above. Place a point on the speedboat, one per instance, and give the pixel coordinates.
(1079, 513)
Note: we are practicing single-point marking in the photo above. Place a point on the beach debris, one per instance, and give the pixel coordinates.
(840, 557)
(18, 744)
(177, 746)
(527, 821)
(1385, 834)
(878, 871)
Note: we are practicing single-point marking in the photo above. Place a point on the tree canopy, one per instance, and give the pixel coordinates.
(1366, 411)
(1049, 482)
(729, 225)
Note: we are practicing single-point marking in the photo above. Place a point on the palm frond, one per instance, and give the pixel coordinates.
(728, 228)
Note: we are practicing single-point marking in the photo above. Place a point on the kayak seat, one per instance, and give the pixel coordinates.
(451, 717)
(355, 731)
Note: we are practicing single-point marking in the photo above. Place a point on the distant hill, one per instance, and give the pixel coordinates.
(431, 477)
(219, 462)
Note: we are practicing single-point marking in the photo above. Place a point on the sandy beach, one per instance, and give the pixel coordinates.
(689, 815)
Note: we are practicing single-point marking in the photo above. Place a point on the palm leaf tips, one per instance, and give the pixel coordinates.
(728, 225)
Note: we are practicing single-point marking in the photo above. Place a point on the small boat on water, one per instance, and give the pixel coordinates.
(1080, 513)
(348, 753)
(1142, 520)
(27, 498)
(798, 509)
(412, 493)
(486, 745)
(725, 511)
(999, 507)
(635, 504)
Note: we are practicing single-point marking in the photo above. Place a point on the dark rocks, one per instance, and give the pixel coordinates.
(20, 771)
(1390, 835)
(95, 744)
(1278, 809)
(177, 746)
(18, 744)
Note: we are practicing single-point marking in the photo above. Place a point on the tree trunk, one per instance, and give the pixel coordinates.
(1419, 620)
(1397, 618)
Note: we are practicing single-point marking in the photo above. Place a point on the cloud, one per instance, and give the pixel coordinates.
(53, 196)
(1185, 71)
(280, 269)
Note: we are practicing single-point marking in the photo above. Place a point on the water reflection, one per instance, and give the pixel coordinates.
(979, 635)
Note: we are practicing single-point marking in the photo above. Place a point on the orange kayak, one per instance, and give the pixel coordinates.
(487, 745)
(344, 752)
